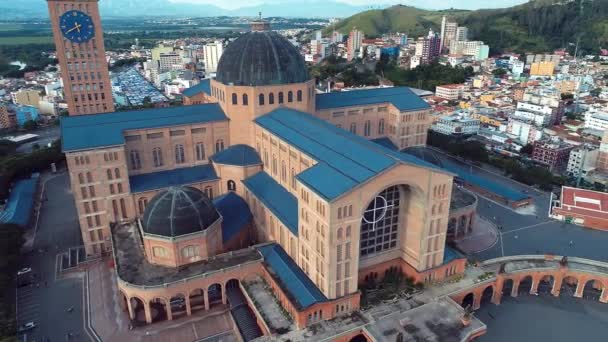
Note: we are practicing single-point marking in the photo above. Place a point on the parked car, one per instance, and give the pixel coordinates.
(27, 326)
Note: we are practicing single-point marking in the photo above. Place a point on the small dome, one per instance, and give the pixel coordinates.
(260, 58)
(179, 211)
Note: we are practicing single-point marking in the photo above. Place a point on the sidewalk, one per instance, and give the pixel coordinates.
(112, 324)
(484, 236)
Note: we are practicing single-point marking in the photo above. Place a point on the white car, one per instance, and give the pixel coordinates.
(24, 271)
(27, 326)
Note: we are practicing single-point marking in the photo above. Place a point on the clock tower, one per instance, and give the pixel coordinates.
(82, 57)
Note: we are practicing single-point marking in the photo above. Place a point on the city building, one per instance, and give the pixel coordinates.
(212, 53)
(78, 39)
(462, 33)
(170, 61)
(526, 131)
(553, 153)
(26, 97)
(542, 69)
(468, 48)
(452, 92)
(7, 117)
(482, 52)
(581, 161)
(448, 33)
(602, 157)
(24, 114)
(583, 207)
(259, 165)
(596, 120)
(158, 50)
(456, 124)
(354, 43)
(427, 48)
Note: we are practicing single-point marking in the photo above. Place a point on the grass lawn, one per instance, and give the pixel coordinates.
(25, 40)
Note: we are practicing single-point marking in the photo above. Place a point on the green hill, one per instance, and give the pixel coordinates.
(536, 26)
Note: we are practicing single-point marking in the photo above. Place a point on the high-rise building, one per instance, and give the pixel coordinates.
(448, 33)
(212, 53)
(428, 48)
(82, 57)
(7, 117)
(161, 48)
(355, 40)
(170, 61)
(26, 97)
(602, 158)
(462, 34)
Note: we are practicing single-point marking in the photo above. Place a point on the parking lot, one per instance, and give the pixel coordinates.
(28, 305)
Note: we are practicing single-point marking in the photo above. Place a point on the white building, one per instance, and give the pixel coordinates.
(541, 115)
(451, 92)
(525, 131)
(596, 120)
(211, 54)
(462, 34)
(170, 61)
(467, 48)
(582, 161)
(518, 68)
(456, 124)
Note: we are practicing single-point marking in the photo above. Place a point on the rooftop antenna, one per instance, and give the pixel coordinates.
(260, 15)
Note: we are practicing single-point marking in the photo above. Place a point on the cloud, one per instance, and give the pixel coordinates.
(428, 4)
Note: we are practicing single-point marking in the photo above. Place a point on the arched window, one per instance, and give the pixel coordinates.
(135, 160)
(299, 96)
(141, 205)
(381, 126)
(117, 172)
(348, 231)
(109, 174)
(190, 251)
(80, 178)
(245, 100)
(283, 171)
(274, 164)
(234, 99)
(159, 252)
(271, 98)
(280, 97)
(180, 156)
(89, 177)
(200, 151)
(353, 128)
(261, 99)
(219, 145)
(381, 217)
(231, 185)
(290, 96)
(339, 234)
(157, 157)
(367, 128)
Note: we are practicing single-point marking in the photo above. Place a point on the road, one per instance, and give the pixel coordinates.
(47, 305)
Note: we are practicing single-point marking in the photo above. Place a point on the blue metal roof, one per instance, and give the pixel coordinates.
(401, 97)
(18, 209)
(291, 277)
(164, 179)
(344, 160)
(279, 201)
(386, 142)
(203, 87)
(450, 254)
(106, 129)
(235, 213)
(239, 155)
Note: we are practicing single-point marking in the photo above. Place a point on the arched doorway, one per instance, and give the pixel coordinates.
(507, 287)
(569, 285)
(593, 290)
(545, 285)
(486, 296)
(178, 306)
(197, 300)
(525, 285)
(468, 300)
(359, 338)
(214, 294)
(158, 310)
(139, 312)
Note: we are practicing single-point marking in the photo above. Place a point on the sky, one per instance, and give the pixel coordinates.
(426, 4)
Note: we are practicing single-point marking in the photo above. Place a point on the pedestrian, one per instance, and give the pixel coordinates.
(571, 243)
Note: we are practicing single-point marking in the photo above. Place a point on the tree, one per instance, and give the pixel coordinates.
(30, 125)
(499, 72)
(527, 149)
(567, 96)
(596, 92)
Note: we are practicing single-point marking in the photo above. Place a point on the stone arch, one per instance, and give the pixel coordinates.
(214, 295)
(139, 310)
(178, 305)
(507, 287)
(197, 300)
(569, 285)
(545, 284)
(359, 338)
(468, 300)
(525, 285)
(232, 283)
(487, 294)
(593, 289)
(159, 310)
(124, 303)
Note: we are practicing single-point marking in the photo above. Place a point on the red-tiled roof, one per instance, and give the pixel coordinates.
(585, 202)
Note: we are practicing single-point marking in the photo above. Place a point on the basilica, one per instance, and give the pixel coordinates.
(260, 175)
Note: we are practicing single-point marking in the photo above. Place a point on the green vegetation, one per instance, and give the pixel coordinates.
(30, 54)
(13, 166)
(394, 284)
(424, 76)
(536, 26)
(11, 240)
(527, 174)
(126, 62)
(467, 149)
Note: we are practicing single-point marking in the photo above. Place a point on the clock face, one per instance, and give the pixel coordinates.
(77, 26)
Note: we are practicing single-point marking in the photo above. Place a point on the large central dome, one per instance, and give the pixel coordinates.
(261, 58)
